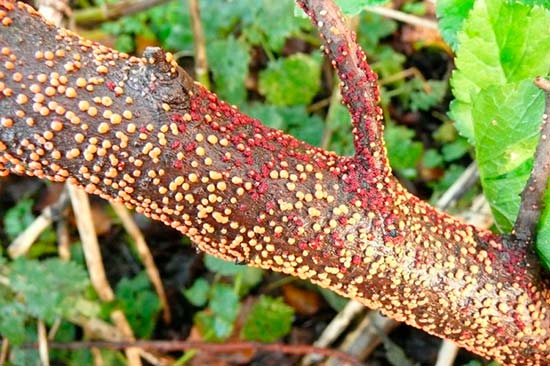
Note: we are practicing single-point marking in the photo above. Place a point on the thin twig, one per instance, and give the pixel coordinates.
(359, 88)
(172, 346)
(63, 240)
(532, 197)
(92, 254)
(112, 11)
(466, 180)
(25, 240)
(43, 344)
(145, 255)
(402, 17)
(366, 337)
(201, 60)
(447, 353)
(335, 328)
(4, 351)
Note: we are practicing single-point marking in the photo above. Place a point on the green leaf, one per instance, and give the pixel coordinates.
(172, 25)
(452, 173)
(456, 149)
(432, 159)
(451, 15)
(424, 100)
(544, 3)
(395, 355)
(268, 320)
(140, 304)
(224, 302)
(198, 293)
(501, 42)
(18, 218)
(246, 277)
(269, 115)
(337, 302)
(506, 132)
(353, 7)
(339, 122)
(213, 328)
(305, 127)
(12, 321)
(372, 28)
(543, 233)
(49, 288)
(291, 81)
(403, 153)
(295, 120)
(271, 23)
(228, 59)
(216, 323)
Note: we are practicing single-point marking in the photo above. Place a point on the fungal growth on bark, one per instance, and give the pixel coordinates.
(141, 132)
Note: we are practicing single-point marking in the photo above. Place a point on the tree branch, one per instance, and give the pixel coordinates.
(532, 197)
(360, 92)
(141, 132)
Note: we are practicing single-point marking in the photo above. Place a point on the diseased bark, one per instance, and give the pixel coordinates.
(141, 132)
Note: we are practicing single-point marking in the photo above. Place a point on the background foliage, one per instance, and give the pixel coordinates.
(264, 57)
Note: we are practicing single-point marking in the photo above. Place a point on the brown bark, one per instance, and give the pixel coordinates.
(141, 132)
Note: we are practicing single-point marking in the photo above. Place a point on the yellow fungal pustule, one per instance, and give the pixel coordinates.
(103, 128)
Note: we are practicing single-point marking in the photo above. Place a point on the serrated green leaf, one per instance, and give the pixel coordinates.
(226, 268)
(269, 319)
(303, 126)
(213, 328)
(424, 100)
(291, 81)
(544, 3)
(224, 302)
(456, 149)
(139, 303)
(372, 28)
(216, 323)
(451, 15)
(501, 42)
(543, 233)
(295, 120)
(228, 59)
(272, 22)
(12, 321)
(18, 218)
(246, 277)
(20, 356)
(506, 133)
(269, 115)
(49, 287)
(172, 25)
(403, 153)
(339, 122)
(198, 293)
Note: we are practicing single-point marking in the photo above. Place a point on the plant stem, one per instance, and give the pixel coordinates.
(201, 60)
(532, 197)
(112, 11)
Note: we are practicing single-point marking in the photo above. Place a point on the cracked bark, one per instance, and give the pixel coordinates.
(141, 132)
